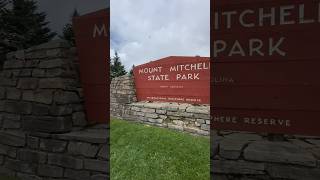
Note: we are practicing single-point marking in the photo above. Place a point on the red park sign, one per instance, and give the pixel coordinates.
(174, 79)
(92, 41)
(265, 66)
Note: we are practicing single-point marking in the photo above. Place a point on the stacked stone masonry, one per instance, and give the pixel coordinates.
(190, 118)
(44, 133)
(251, 156)
(234, 155)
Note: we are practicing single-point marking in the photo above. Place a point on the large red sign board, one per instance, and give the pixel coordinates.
(265, 61)
(174, 79)
(92, 42)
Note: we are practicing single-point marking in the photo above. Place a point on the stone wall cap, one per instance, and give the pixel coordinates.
(50, 45)
(91, 136)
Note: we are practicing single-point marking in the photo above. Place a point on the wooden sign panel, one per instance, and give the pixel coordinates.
(92, 42)
(174, 79)
(265, 61)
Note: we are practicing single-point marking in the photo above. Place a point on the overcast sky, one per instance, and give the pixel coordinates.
(144, 30)
(59, 11)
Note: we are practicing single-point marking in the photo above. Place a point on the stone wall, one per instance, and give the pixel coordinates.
(251, 156)
(178, 116)
(44, 133)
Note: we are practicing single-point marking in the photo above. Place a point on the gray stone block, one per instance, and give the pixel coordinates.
(191, 129)
(77, 174)
(2, 106)
(32, 156)
(15, 55)
(11, 117)
(28, 96)
(104, 152)
(199, 109)
(35, 54)
(56, 53)
(96, 165)
(50, 171)
(18, 107)
(40, 109)
(20, 166)
(53, 145)
(204, 133)
(12, 138)
(231, 148)
(292, 172)
(39, 73)
(55, 83)
(25, 73)
(82, 148)
(47, 124)
(32, 63)
(175, 127)
(1, 159)
(65, 97)
(79, 119)
(13, 93)
(148, 110)
(8, 82)
(279, 152)
(205, 127)
(13, 64)
(24, 176)
(61, 110)
(8, 151)
(94, 136)
(200, 121)
(151, 115)
(77, 107)
(237, 167)
(202, 116)
(10, 124)
(161, 111)
(65, 161)
(2, 93)
(54, 63)
(28, 83)
(7, 172)
(33, 142)
(179, 114)
(43, 96)
(100, 177)
(59, 72)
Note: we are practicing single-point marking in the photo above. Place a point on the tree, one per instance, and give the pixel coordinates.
(3, 11)
(24, 26)
(131, 70)
(116, 67)
(67, 32)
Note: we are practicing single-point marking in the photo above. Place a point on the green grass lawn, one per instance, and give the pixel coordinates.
(141, 152)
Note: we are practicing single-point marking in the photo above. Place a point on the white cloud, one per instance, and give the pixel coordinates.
(144, 30)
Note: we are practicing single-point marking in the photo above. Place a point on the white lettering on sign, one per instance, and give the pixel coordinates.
(191, 76)
(100, 31)
(271, 16)
(250, 18)
(158, 73)
(252, 121)
(150, 70)
(254, 49)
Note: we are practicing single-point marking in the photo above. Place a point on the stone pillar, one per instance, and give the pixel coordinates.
(40, 89)
(122, 93)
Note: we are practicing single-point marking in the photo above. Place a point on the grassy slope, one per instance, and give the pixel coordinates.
(140, 152)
